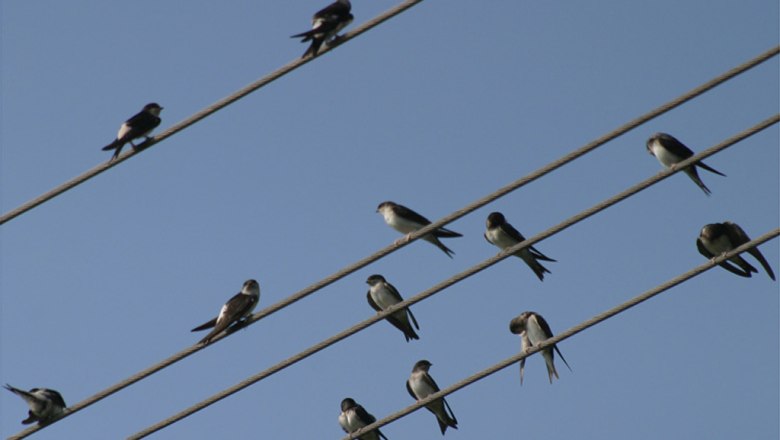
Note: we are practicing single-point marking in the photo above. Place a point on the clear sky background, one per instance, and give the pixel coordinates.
(433, 109)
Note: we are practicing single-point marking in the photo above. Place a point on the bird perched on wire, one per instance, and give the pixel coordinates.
(669, 151)
(233, 312)
(140, 125)
(382, 295)
(421, 385)
(46, 405)
(503, 235)
(718, 238)
(354, 417)
(533, 330)
(406, 221)
(325, 25)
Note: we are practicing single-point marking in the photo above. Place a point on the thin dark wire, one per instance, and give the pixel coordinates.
(289, 67)
(566, 334)
(392, 248)
(453, 280)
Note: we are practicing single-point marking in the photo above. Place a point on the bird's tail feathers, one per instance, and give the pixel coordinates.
(549, 361)
(206, 339)
(691, 172)
(314, 49)
(709, 168)
(113, 145)
(306, 36)
(765, 264)
(562, 358)
(539, 270)
(446, 233)
(735, 270)
(540, 256)
(522, 370)
(205, 325)
(439, 244)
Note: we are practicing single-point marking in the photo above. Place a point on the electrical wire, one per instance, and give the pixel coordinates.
(456, 278)
(224, 102)
(444, 220)
(566, 334)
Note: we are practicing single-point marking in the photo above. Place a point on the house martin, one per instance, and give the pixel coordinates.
(533, 329)
(382, 295)
(354, 417)
(669, 151)
(326, 24)
(406, 221)
(239, 307)
(46, 405)
(503, 235)
(421, 385)
(718, 238)
(140, 125)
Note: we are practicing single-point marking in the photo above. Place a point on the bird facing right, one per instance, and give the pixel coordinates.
(325, 25)
(140, 125)
(233, 312)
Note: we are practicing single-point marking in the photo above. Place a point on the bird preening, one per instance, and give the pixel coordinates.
(718, 238)
(325, 26)
(533, 329)
(140, 125)
(46, 405)
(232, 315)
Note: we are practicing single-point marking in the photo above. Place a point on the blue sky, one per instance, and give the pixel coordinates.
(433, 109)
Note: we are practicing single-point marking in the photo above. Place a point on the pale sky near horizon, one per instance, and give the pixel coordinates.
(433, 109)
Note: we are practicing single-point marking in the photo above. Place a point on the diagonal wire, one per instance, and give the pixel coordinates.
(455, 279)
(566, 334)
(224, 102)
(414, 236)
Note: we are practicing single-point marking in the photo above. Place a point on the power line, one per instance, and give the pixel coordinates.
(455, 278)
(224, 102)
(566, 334)
(444, 220)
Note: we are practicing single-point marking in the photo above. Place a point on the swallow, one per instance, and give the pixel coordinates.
(669, 151)
(382, 295)
(503, 235)
(354, 417)
(140, 125)
(45, 405)
(406, 221)
(718, 238)
(421, 385)
(239, 307)
(325, 25)
(533, 329)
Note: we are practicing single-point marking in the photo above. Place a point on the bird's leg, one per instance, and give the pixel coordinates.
(336, 40)
(404, 239)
